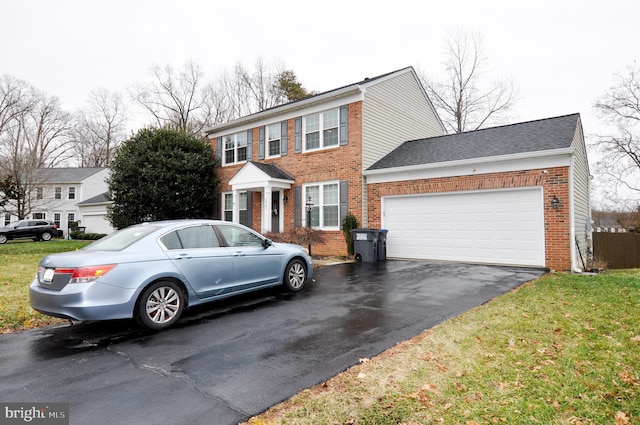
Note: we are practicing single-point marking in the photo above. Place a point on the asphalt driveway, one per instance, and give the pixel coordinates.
(228, 361)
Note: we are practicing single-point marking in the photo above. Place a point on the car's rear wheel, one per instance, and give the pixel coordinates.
(45, 236)
(160, 305)
(295, 275)
(3, 239)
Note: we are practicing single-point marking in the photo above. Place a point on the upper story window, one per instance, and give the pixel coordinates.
(39, 193)
(274, 135)
(235, 148)
(321, 130)
(58, 193)
(325, 197)
(72, 193)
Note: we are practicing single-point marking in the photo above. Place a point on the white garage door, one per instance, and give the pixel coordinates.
(496, 227)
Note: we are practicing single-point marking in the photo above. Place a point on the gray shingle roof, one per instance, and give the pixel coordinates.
(103, 198)
(66, 175)
(532, 136)
(272, 171)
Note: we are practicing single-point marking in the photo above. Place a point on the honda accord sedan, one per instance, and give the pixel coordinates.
(151, 272)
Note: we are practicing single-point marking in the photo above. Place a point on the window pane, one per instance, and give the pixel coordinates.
(330, 119)
(241, 139)
(274, 147)
(330, 137)
(314, 193)
(198, 237)
(242, 154)
(330, 194)
(228, 201)
(229, 143)
(236, 236)
(242, 198)
(330, 215)
(229, 157)
(315, 217)
(312, 123)
(312, 140)
(273, 132)
(228, 216)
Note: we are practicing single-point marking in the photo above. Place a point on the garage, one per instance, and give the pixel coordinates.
(488, 226)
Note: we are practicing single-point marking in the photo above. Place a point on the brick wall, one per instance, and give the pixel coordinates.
(555, 181)
(340, 163)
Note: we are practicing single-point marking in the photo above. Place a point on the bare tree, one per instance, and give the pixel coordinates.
(267, 85)
(461, 101)
(619, 107)
(99, 129)
(35, 136)
(180, 99)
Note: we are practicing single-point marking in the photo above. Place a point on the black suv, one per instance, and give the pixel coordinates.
(29, 229)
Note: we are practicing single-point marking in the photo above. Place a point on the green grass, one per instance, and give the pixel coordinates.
(18, 264)
(564, 349)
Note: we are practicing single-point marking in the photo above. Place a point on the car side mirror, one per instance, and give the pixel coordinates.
(266, 243)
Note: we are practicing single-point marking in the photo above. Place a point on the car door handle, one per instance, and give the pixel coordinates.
(183, 257)
(238, 254)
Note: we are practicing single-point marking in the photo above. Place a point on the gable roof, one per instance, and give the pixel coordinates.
(66, 175)
(532, 136)
(272, 170)
(339, 92)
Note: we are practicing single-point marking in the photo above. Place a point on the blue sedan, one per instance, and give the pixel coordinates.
(153, 271)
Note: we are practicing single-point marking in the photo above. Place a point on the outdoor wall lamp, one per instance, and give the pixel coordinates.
(309, 210)
(555, 203)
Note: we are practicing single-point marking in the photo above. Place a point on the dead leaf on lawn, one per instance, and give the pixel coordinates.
(622, 418)
(635, 338)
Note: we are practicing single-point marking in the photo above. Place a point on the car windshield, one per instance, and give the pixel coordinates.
(14, 224)
(121, 239)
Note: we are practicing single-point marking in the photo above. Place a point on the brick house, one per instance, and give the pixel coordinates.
(378, 150)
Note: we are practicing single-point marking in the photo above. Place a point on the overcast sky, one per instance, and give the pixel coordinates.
(561, 54)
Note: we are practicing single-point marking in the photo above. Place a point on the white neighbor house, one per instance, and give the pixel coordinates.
(67, 195)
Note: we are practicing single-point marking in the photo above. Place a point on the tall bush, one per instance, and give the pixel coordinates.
(349, 223)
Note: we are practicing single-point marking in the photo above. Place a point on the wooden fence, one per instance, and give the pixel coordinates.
(617, 250)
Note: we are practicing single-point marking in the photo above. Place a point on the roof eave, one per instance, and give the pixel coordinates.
(288, 107)
(471, 161)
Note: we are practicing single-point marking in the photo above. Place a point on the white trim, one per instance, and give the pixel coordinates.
(474, 166)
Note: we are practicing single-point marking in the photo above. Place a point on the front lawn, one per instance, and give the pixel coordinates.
(18, 264)
(564, 349)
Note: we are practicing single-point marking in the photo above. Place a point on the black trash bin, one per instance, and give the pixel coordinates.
(365, 244)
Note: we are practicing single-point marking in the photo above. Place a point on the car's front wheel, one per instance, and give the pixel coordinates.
(45, 236)
(3, 239)
(160, 305)
(295, 275)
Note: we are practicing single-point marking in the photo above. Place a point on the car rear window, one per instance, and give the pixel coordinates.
(121, 239)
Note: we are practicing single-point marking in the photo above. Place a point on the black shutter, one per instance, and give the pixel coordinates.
(284, 127)
(249, 145)
(217, 206)
(261, 143)
(344, 200)
(219, 152)
(344, 125)
(297, 148)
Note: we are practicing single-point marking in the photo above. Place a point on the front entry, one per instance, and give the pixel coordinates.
(275, 211)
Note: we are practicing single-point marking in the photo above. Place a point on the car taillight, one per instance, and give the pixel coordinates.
(88, 274)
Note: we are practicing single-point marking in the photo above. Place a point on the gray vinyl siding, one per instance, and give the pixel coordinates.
(394, 111)
(581, 203)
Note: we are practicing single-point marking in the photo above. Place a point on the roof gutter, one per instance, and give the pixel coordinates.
(471, 161)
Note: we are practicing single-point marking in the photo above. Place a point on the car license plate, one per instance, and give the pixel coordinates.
(48, 275)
